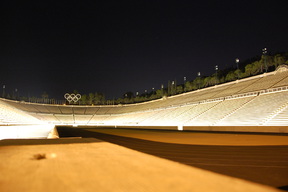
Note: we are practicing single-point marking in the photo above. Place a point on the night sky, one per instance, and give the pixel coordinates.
(118, 46)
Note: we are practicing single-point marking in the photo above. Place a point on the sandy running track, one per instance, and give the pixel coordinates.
(198, 138)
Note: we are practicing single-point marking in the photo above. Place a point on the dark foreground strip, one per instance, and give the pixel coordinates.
(262, 164)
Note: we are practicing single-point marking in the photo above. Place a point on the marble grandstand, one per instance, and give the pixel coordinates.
(254, 104)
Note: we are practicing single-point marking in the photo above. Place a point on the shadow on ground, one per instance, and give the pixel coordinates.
(284, 188)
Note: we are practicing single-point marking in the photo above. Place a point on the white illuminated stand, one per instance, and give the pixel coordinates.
(28, 132)
(15, 124)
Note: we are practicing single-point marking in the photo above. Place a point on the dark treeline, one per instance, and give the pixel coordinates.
(247, 68)
(242, 69)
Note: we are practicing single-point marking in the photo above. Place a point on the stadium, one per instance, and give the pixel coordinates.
(234, 139)
(161, 96)
(254, 104)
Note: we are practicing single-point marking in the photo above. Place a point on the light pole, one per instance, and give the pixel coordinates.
(184, 84)
(237, 64)
(198, 82)
(216, 68)
(173, 85)
(3, 92)
(16, 93)
(264, 52)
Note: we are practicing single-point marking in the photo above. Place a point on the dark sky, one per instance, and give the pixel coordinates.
(119, 46)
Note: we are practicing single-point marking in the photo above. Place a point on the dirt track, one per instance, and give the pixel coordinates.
(198, 138)
(261, 163)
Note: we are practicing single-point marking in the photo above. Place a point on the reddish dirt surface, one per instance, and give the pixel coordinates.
(265, 164)
(198, 138)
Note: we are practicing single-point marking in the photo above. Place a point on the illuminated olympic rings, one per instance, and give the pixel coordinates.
(72, 97)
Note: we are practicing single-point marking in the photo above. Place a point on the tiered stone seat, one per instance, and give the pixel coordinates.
(250, 101)
(11, 115)
(219, 111)
(254, 112)
(266, 82)
(65, 118)
(279, 120)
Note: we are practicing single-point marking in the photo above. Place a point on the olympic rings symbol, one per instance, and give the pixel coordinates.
(72, 97)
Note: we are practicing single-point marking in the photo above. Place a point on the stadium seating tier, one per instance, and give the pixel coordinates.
(255, 101)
